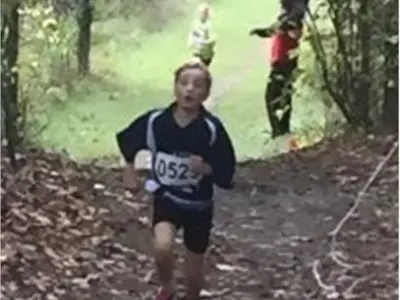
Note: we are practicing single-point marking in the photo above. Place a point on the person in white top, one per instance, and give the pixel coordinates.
(201, 40)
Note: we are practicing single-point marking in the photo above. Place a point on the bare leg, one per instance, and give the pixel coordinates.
(164, 234)
(194, 269)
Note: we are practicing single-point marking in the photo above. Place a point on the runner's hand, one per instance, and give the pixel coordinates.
(198, 166)
(131, 178)
(262, 32)
(253, 32)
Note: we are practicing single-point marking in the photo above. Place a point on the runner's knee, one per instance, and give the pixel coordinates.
(164, 234)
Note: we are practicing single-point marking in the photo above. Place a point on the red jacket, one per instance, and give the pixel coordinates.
(281, 45)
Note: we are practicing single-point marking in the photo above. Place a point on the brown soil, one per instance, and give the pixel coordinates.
(70, 231)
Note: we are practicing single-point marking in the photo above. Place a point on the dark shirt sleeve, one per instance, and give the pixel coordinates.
(132, 139)
(263, 32)
(223, 159)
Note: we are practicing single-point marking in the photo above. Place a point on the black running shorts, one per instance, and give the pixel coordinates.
(196, 223)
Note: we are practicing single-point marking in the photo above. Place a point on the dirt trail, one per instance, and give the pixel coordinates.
(70, 231)
(222, 86)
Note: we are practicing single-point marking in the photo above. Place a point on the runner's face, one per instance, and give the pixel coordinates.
(191, 88)
(204, 14)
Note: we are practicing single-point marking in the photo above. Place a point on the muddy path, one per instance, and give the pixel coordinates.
(70, 231)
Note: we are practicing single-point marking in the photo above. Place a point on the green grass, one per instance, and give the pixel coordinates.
(132, 72)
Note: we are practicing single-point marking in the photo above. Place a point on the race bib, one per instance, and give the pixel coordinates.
(173, 170)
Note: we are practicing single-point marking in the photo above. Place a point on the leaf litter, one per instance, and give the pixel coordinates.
(70, 231)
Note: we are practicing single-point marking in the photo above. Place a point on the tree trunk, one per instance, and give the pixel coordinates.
(84, 20)
(9, 78)
(363, 90)
(390, 109)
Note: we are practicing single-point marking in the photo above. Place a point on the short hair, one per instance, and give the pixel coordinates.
(194, 65)
(204, 7)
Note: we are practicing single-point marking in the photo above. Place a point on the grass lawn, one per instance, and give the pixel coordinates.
(133, 73)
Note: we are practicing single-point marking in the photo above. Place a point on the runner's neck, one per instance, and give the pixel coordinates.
(184, 117)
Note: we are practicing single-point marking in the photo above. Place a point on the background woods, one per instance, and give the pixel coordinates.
(76, 71)
(355, 45)
(46, 50)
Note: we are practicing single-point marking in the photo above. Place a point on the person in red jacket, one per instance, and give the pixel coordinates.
(278, 94)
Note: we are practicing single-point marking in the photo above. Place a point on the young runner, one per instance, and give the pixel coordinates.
(191, 152)
(201, 39)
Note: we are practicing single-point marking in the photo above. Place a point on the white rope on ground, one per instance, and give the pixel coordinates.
(362, 192)
(330, 290)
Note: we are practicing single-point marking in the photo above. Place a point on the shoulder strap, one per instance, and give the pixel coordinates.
(150, 139)
(213, 131)
(152, 185)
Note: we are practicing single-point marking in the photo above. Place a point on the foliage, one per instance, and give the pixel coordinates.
(354, 44)
(46, 63)
(153, 15)
(10, 78)
(311, 87)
